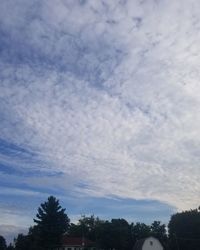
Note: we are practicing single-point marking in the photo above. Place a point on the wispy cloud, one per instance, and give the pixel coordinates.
(106, 94)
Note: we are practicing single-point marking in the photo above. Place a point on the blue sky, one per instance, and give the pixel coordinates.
(99, 106)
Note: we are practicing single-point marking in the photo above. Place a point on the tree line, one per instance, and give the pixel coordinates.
(51, 222)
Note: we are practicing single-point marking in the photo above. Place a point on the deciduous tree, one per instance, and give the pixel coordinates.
(184, 230)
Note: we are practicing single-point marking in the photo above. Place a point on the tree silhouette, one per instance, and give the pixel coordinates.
(10, 247)
(2, 243)
(51, 222)
(21, 242)
(158, 230)
(184, 230)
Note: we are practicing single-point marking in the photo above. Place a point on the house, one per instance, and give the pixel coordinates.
(76, 243)
(149, 243)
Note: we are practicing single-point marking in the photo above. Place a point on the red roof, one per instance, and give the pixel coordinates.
(76, 241)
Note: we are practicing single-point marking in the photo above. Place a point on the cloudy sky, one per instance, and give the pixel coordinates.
(99, 106)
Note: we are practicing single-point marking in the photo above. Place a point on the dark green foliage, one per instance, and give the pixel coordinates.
(51, 222)
(115, 234)
(21, 242)
(103, 235)
(2, 243)
(88, 226)
(75, 230)
(34, 239)
(28, 242)
(120, 234)
(10, 247)
(184, 230)
(140, 231)
(158, 230)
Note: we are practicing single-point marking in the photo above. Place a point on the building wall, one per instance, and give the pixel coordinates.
(152, 244)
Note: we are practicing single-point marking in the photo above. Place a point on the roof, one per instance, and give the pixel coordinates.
(138, 245)
(76, 241)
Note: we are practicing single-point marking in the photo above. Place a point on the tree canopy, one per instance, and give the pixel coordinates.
(184, 230)
(51, 222)
(2, 243)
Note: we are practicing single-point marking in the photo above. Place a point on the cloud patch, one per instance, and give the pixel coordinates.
(106, 94)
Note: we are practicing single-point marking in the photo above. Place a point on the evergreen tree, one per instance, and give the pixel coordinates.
(2, 243)
(21, 242)
(10, 247)
(51, 222)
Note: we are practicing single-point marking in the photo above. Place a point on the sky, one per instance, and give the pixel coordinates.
(99, 106)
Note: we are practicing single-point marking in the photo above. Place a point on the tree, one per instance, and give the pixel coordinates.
(120, 234)
(158, 230)
(2, 243)
(21, 242)
(75, 230)
(103, 235)
(140, 231)
(184, 230)
(10, 247)
(34, 238)
(87, 227)
(51, 222)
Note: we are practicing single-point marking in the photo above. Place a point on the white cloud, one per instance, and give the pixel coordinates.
(13, 222)
(13, 218)
(9, 232)
(115, 104)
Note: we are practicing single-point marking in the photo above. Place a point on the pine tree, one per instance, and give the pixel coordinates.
(2, 243)
(51, 222)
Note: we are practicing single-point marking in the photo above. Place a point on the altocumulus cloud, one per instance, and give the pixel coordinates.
(106, 94)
